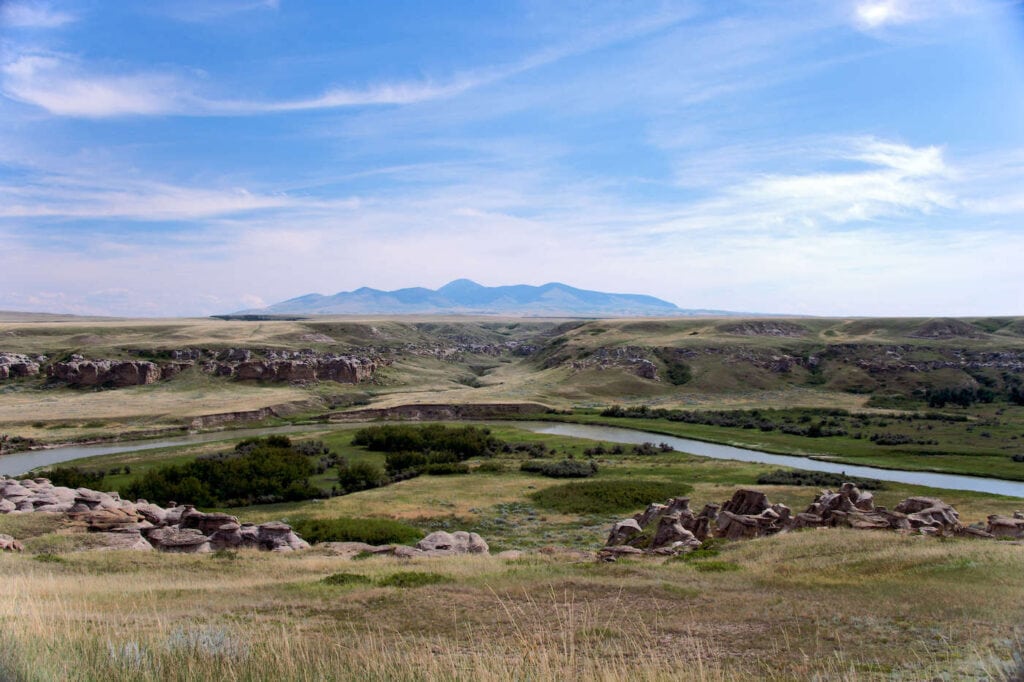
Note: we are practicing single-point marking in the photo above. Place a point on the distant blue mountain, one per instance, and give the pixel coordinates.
(464, 296)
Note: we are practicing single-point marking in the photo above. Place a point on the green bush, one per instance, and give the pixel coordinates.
(339, 579)
(360, 476)
(413, 579)
(567, 468)
(607, 496)
(346, 529)
(816, 479)
(464, 441)
(75, 477)
(710, 548)
(258, 471)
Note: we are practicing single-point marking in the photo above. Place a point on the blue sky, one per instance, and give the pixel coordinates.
(841, 157)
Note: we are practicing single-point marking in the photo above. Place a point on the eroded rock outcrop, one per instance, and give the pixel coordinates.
(303, 366)
(120, 524)
(14, 365)
(112, 373)
(673, 527)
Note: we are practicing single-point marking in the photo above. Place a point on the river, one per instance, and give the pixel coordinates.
(13, 465)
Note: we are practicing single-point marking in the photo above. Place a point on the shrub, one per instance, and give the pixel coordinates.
(567, 468)
(817, 479)
(347, 529)
(464, 442)
(607, 496)
(258, 471)
(338, 579)
(412, 579)
(491, 467)
(75, 477)
(360, 476)
(711, 547)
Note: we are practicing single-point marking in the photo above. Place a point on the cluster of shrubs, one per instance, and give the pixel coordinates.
(642, 449)
(817, 479)
(259, 470)
(464, 442)
(530, 449)
(963, 397)
(676, 370)
(433, 449)
(899, 439)
(403, 465)
(566, 468)
(76, 477)
(763, 420)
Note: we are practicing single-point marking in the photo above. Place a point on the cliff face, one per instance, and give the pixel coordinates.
(81, 372)
(241, 364)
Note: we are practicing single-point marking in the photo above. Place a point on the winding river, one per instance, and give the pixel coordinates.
(13, 465)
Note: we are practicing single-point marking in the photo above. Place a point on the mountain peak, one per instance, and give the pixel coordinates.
(461, 284)
(464, 296)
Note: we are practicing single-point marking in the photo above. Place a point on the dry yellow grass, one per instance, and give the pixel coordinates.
(835, 605)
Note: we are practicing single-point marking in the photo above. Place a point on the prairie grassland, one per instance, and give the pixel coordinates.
(835, 605)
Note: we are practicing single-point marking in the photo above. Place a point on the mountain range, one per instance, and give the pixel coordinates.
(464, 296)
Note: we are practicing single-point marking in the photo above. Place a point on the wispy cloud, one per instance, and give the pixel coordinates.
(68, 87)
(58, 85)
(32, 15)
(79, 196)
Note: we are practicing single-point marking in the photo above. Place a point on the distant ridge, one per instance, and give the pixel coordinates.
(466, 297)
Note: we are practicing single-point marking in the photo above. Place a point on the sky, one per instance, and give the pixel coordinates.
(832, 157)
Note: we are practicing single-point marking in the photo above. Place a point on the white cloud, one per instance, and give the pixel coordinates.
(67, 87)
(82, 196)
(876, 13)
(32, 15)
(59, 86)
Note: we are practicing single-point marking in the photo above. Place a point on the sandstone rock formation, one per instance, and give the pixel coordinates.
(14, 365)
(459, 542)
(1006, 526)
(120, 524)
(240, 363)
(88, 373)
(9, 544)
(673, 527)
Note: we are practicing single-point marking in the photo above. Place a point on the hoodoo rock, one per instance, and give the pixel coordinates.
(114, 523)
(9, 544)
(14, 365)
(672, 527)
(459, 542)
(1006, 526)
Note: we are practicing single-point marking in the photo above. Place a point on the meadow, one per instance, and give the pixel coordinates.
(830, 604)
